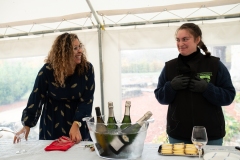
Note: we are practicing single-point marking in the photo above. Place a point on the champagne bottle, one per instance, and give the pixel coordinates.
(111, 118)
(100, 127)
(137, 126)
(126, 119)
(101, 144)
(119, 142)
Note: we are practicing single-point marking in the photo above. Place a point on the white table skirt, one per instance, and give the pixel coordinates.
(35, 151)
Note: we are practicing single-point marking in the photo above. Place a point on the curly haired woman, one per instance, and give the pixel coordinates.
(64, 87)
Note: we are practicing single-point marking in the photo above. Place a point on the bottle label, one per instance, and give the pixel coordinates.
(116, 143)
(125, 138)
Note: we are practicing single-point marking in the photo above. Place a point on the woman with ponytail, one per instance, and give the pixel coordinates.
(195, 86)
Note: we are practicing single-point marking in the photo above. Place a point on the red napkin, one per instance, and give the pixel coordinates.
(61, 144)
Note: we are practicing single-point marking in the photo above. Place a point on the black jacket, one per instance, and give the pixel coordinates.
(188, 109)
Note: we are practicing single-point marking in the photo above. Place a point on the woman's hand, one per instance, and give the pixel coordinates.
(75, 134)
(25, 129)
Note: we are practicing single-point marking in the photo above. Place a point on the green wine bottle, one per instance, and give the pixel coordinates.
(101, 144)
(111, 123)
(126, 119)
(119, 142)
(136, 127)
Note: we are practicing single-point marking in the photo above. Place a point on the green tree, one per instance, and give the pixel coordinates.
(16, 78)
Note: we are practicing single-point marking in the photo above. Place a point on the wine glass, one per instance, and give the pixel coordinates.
(199, 138)
(19, 132)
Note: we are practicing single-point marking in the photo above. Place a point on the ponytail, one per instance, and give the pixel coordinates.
(202, 46)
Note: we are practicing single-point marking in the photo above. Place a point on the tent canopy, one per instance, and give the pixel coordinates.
(25, 17)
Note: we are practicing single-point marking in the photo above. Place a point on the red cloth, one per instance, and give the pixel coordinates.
(61, 144)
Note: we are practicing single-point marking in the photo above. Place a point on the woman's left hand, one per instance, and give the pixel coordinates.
(75, 134)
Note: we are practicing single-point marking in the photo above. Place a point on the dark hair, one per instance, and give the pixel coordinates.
(196, 32)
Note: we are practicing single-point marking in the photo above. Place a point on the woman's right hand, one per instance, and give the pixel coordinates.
(27, 130)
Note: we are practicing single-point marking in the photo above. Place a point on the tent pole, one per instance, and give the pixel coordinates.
(94, 14)
(101, 66)
(100, 28)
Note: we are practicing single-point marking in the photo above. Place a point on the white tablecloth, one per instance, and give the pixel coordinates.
(35, 151)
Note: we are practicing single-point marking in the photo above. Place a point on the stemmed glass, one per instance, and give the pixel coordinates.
(19, 132)
(199, 138)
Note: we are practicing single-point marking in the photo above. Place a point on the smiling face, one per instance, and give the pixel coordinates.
(186, 43)
(77, 51)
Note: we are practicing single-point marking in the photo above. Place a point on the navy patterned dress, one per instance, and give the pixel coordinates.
(59, 106)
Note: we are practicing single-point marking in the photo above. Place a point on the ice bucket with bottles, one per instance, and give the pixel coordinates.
(117, 143)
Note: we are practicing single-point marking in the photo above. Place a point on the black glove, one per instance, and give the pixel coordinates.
(198, 85)
(180, 82)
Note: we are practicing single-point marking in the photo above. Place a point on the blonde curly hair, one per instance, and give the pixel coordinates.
(60, 58)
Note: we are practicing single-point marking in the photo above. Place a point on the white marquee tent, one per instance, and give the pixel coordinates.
(28, 28)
